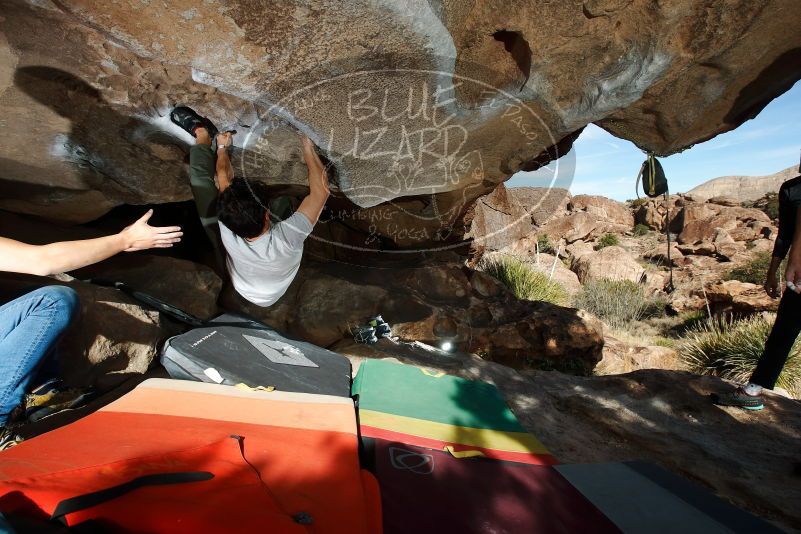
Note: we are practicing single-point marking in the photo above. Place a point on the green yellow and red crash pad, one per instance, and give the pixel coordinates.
(292, 465)
(413, 405)
(430, 491)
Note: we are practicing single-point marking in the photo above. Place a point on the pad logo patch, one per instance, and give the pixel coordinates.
(406, 460)
(280, 352)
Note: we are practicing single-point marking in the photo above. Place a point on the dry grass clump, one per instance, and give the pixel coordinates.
(525, 282)
(619, 303)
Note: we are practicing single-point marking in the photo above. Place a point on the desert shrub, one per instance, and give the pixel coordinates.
(635, 203)
(523, 280)
(753, 271)
(731, 348)
(641, 230)
(607, 240)
(618, 303)
(544, 244)
(769, 204)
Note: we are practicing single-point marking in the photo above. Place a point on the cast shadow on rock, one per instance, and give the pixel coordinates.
(115, 153)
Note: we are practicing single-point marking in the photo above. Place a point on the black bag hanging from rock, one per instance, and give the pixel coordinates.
(235, 349)
(654, 182)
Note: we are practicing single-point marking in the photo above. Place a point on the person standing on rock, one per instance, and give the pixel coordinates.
(788, 317)
(263, 252)
(31, 325)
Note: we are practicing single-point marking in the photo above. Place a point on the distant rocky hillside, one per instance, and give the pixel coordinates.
(743, 188)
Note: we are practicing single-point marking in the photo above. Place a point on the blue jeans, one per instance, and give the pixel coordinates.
(30, 327)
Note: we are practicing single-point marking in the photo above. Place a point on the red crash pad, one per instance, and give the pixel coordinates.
(298, 456)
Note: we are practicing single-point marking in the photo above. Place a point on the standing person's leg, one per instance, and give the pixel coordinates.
(777, 349)
(204, 190)
(30, 327)
(780, 341)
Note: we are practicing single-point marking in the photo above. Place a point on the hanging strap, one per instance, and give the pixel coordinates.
(88, 500)
(637, 182)
(149, 300)
(669, 288)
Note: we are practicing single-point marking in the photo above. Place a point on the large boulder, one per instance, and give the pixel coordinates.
(499, 219)
(609, 263)
(433, 304)
(654, 212)
(702, 222)
(113, 338)
(603, 207)
(659, 255)
(542, 203)
(620, 357)
(733, 296)
(581, 225)
(451, 100)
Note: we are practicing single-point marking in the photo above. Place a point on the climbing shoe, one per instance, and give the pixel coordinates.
(62, 401)
(8, 438)
(188, 119)
(740, 399)
(365, 334)
(382, 329)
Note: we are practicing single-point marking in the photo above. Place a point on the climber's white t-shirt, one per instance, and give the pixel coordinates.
(262, 270)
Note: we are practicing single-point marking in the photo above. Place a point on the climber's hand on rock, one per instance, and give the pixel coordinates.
(225, 139)
(142, 236)
(307, 143)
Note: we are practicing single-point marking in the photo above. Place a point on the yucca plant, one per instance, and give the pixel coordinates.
(523, 280)
(731, 348)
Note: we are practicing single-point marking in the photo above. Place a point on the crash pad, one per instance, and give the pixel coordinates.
(235, 349)
(429, 491)
(641, 497)
(432, 409)
(302, 448)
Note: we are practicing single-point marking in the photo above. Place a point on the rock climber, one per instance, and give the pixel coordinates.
(263, 253)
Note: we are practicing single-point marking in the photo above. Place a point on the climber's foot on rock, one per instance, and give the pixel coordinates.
(188, 119)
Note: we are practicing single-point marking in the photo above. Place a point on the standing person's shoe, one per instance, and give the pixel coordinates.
(739, 399)
(188, 119)
(8, 438)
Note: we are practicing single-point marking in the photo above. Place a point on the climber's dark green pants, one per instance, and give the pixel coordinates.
(201, 178)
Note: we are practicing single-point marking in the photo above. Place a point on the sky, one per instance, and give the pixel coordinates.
(606, 165)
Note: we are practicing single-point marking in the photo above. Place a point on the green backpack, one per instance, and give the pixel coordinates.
(654, 182)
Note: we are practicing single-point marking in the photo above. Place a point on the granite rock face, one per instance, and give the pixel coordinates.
(435, 303)
(422, 107)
